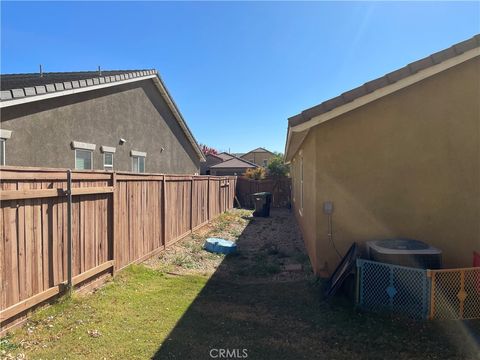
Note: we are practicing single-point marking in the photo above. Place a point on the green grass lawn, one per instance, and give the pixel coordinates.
(128, 318)
(171, 309)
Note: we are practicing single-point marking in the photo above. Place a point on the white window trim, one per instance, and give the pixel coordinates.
(108, 149)
(75, 158)
(110, 167)
(2, 144)
(5, 134)
(83, 146)
(138, 153)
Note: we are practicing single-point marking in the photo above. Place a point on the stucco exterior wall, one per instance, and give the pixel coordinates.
(43, 130)
(258, 157)
(405, 165)
(305, 207)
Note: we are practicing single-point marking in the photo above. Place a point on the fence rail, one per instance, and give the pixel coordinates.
(117, 219)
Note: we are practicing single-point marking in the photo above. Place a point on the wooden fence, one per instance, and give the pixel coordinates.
(279, 187)
(116, 219)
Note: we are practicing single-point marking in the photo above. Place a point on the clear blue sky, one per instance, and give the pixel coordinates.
(236, 70)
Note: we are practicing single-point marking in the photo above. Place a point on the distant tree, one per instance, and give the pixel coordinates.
(208, 150)
(277, 167)
(256, 173)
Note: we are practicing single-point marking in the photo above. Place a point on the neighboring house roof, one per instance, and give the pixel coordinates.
(238, 154)
(234, 163)
(225, 156)
(214, 156)
(299, 125)
(18, 89)
(258, 150)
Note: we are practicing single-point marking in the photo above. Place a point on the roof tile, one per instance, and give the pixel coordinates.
(5, 95)
(50, 87)
(399, 74)
(96, 81)
(18, 93)
(421, 64)
(82, 83)
(354, 93)
(465, 45)
(75, 84)
(333, 103)
(30, 91)
(377, 84)
(59, 86)
(89, 82)
(67, 85)
(40, 89)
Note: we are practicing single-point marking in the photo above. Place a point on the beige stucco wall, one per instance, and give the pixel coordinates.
(405, 165)
(306, 211)
(258, 157)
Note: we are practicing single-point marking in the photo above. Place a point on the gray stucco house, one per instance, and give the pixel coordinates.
(110, 120)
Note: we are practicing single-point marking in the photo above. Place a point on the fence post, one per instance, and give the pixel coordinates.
(114, 222)
(164, 211)
(208, 198)
(69, 231)
(191, 204)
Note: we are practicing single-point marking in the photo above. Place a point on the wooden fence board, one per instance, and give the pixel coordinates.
(117, 219)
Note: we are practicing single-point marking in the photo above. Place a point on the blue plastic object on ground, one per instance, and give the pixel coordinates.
(220, 246)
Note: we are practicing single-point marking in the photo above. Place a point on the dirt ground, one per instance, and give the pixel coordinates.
(268, 249)
(262, 301)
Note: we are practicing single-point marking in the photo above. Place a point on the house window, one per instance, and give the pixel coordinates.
(138, 164)
(83, 155)
(265, 163)
(83, 159)
(138, 161)
(108, 161)
(2, 151)
(4, 135)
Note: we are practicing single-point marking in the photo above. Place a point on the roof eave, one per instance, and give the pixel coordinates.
(300, 122)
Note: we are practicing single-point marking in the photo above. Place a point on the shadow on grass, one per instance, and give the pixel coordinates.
(247, 310)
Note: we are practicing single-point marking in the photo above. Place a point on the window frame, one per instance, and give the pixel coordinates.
(138, 157)
(91, 158)
(3, 155)
(105, 166)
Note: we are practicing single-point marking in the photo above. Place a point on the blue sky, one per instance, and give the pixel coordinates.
(237, 71)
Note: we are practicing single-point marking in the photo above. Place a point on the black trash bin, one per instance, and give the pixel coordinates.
(262, 201)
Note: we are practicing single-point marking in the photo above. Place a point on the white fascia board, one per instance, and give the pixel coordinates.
(5, 134)
(83, 146)
(377, 94)
(108, 149)
(6, 103)
(138, 153)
